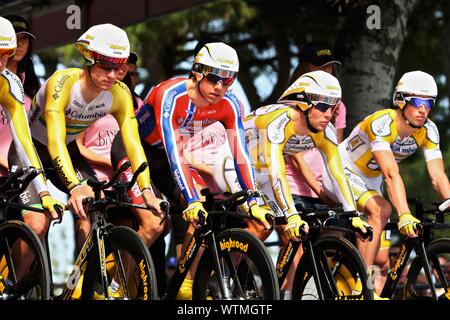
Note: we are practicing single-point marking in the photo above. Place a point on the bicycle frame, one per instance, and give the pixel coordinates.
(206, 235)
(202, 235)
(418, 244)
(287, 258)
(94, 241)
(408, 246)
(323, 279)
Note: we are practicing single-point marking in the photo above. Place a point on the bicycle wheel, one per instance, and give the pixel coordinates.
(342, 272)
(417, 286)
(246, 266)
(24, 271)
(130, 269)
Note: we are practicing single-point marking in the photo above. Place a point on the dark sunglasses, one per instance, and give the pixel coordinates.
(324, 107)
(418, 102)
(215, 79)
(107, 66)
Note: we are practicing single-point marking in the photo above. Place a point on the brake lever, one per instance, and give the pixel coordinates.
(201, 218)
(270, 220)
(60, 211)
(418, 229)
(368, 235)
(165, 206)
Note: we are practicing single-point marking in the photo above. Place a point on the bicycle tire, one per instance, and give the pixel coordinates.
(36, 284)
(140, 282)
(349, 277)
(255, 272)
(414, 288)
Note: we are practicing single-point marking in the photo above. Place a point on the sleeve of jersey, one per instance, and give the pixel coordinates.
(236, 138)
(430, 147)
(380, 134)
(20, 132)
(173, 145)
(327, 146)
(122, 110)
(55, 121)
(278, 132)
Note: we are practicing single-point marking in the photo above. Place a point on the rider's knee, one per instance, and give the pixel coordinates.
(258, 231)
(381, 211)
(39, 226)
(152, 230)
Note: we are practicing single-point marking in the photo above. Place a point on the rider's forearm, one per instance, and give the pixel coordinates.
(442, 187)
(63, 164)
(439, 179)
(56, 136)
(397, 193)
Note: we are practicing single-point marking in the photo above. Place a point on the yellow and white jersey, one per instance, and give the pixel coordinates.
(12, 99)
(63, 91)
(59, 114)
(270, 133)
(379, 132)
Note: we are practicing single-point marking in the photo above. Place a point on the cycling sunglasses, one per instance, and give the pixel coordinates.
(324, 107)
(108, 66)
(322, 103)
(418, 102)
(215, 79)
(7, 53)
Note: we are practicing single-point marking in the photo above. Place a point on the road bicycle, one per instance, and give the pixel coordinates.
(330, 267)
(15, 235)
(114, 262)
(429, 274)
(234, 265)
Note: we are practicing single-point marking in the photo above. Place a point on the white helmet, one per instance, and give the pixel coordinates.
(217, 58)
(414, 83)
(8, 40)
(312, 88)
(106, 43)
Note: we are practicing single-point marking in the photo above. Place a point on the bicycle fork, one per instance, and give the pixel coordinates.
(420, 249)
(312, 261)
(287, 257)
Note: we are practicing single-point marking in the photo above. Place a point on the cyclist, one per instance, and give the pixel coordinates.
(12, 103)
(177, 108)
(300, 121)
(371, 152)
(69, 102)
(21, 65)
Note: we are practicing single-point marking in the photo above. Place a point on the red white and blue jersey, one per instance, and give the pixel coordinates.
(168, 119)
